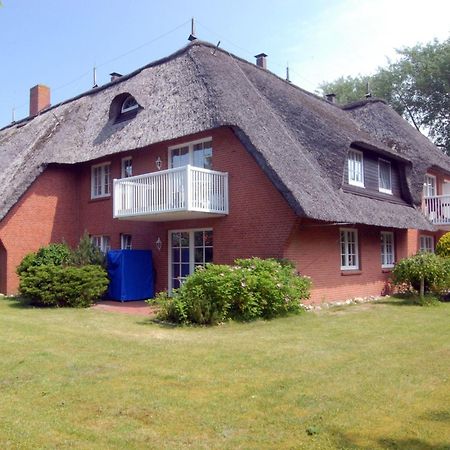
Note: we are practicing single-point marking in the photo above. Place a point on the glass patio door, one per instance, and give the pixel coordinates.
(188, 249)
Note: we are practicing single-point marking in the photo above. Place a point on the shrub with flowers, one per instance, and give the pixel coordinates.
(424, 272)
(250, 289)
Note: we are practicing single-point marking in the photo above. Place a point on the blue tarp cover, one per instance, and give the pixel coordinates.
(131, 275)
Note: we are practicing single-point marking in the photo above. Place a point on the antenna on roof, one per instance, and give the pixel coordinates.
(214, 51)
(368, 93)
(287, 73)
(94, 75)
(13, 115)
(192, 36)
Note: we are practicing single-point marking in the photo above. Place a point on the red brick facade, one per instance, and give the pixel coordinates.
(58, 206)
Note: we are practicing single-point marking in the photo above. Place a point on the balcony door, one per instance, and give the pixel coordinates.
(198, 154)
(188, 249)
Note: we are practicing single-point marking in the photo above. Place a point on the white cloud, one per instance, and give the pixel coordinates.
(355, 37)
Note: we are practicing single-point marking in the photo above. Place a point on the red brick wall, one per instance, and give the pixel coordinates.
(258, 224)
(45, 214)
(315, 247)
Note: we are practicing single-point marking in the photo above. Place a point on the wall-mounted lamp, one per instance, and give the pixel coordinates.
(158, 243)
(158, 163)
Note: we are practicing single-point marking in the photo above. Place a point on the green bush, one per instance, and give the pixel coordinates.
(443, 246)
(52, 285)
(53, 254)
(252, 288)
(57, 276)
(430, 269)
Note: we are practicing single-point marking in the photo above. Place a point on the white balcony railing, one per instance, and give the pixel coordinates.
(184, 192)
(437, 209)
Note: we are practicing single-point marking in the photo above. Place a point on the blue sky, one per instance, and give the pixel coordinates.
(57, 42)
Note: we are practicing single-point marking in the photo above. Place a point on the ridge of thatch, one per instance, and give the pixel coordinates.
(299, 140)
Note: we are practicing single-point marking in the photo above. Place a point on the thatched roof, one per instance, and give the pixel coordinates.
(299, 140)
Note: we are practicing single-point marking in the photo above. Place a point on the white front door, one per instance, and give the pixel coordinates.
(188, 249)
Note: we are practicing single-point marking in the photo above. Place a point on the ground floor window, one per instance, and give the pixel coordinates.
(387, 249)
(188, 249)
(349, 249)
(103, 243)
(427, 244)
(125, 242)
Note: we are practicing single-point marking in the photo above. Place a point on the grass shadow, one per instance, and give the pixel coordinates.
(343, 440)
(411, 300)
(159, 323)
(17, 303)
(437, 416)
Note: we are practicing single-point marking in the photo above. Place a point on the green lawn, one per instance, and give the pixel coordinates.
(364, 376)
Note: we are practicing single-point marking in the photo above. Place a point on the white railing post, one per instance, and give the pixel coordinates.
(225, 194)
(188, 191)
(115, 197)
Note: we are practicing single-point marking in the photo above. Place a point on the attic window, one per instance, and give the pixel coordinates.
(123, 107)
(129, 104)
(355, 168)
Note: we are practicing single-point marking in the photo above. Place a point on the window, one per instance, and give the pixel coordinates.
(427, 244)
(384, 176)
(125, 242)
(188, 250)
(100, 180)
(198, 154)
(349, 249)
(127, 167)
(387, 249)
(129, 104)
(356, 168)
(103, 243)
(429, 186)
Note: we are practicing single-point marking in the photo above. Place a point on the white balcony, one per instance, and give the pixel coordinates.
(437, 209)
(176, 194)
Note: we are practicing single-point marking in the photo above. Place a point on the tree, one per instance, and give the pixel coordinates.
(417, 86)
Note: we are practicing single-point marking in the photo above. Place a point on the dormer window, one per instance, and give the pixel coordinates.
(129, 104)
(123, 107)
(384, 176)
(355, 168)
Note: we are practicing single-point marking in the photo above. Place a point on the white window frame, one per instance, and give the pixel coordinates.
(346, 253)
(102, 242)
(124, 166)
(191, 232)
(381, 189)
(430, 180)
(125, 109)
(354, 157)
(105, 188)
(426, 243)
(126, 241)
(387, 240)
(190, 145)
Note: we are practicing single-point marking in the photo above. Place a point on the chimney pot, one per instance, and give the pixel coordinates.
(331, 97)
(39, 99)
(261, 60)
(115, 75)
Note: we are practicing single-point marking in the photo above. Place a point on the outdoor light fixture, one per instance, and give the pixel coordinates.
(158, 244)
(158, 163)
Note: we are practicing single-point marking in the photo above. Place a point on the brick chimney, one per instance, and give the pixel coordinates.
(39, 99)
(261, 60)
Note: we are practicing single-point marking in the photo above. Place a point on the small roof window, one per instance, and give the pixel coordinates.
(129, 104)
